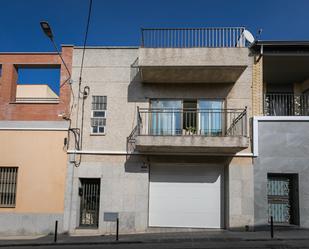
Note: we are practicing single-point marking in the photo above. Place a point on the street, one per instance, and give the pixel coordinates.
(275, 244)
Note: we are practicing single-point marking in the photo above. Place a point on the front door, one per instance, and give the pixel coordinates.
(89, 202)
(282, 198)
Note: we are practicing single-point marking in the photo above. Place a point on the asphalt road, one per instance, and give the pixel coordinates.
(186, 245)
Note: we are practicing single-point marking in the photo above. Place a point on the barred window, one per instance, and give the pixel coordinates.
(8, 181)
(98, 114)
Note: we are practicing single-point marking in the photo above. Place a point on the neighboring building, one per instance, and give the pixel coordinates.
(281, 132)
(33, 139)
(164, 134)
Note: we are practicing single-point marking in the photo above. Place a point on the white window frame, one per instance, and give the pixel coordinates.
(98, 126)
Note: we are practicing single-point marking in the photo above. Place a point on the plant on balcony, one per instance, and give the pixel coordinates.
(191, 130)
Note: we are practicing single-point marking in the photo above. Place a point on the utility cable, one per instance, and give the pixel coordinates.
(85, 92)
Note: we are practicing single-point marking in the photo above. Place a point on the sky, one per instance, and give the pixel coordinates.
(116, 23)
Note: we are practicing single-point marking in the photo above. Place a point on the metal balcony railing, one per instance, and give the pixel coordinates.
(191, 122)
(286, 104)
(229, 37)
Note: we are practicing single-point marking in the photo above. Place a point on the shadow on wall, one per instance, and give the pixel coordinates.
(142, 92)
(136, 164)
(185, 173)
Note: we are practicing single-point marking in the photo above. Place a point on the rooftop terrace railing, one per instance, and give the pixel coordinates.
(229, 37)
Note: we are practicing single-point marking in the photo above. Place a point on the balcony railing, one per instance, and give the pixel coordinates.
(287, 104)
(193, 37)
(192, 122)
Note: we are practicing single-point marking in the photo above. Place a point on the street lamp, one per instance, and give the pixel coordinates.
(47, 29)
(48, 32)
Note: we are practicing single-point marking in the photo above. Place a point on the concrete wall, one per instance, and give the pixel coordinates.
(35, 91)
(240, 193)
(108, 72)
(124, 189)
(193, 56)
(41, 162)
(283, 148)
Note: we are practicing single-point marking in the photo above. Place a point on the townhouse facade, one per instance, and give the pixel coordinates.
(280, 132)
(32, 142)
(165, 134)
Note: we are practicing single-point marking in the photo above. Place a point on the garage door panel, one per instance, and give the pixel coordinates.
(190, 218)
(195, 201)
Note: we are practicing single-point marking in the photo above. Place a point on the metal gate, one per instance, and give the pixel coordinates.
(89, 202)
(279, 192)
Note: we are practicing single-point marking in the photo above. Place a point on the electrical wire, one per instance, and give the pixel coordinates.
(84, 93)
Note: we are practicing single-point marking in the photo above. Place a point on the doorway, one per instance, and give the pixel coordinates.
(89, 193)
(282, 192)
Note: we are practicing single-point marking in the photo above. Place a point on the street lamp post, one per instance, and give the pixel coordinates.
(48, 32)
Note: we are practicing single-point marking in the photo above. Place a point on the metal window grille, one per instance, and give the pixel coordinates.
(98, 117)
(8, 181)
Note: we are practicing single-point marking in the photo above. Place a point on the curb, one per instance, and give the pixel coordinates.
(70, 243)
(143, 242)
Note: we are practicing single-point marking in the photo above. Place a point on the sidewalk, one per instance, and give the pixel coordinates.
(295, 234)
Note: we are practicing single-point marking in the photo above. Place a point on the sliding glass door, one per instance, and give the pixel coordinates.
(166, 117)
(210, 117)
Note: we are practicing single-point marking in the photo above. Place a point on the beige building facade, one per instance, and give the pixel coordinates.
(161, 128)
(33, 198)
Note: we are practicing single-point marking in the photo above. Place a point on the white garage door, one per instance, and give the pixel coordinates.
(185, 196)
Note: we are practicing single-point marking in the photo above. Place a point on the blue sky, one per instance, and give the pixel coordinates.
(49, 76)
(118, 22)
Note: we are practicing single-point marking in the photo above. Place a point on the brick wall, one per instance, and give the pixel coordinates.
(257, 87)
(9, 110)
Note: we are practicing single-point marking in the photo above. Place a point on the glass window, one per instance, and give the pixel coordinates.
(166, 117)
(98, 114)
(210, 117)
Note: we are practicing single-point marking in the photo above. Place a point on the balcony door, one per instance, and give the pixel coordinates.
(166, 117)
(210, 117)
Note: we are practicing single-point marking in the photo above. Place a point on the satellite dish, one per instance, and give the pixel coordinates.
(248, 36)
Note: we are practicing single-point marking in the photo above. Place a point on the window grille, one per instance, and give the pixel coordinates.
(8, 181)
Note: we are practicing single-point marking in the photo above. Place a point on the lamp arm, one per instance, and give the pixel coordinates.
(66, 67)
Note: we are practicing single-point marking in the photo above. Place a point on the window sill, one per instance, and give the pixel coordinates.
(7, 206)
(97, 134)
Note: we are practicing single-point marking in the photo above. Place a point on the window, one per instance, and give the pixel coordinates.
(98, 114)
(8, 180)
(0, 70)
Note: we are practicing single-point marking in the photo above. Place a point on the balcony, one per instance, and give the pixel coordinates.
(192, 55)
(287, 104)
(214, 131)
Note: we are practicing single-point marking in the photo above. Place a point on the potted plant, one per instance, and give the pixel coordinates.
(191, 130)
